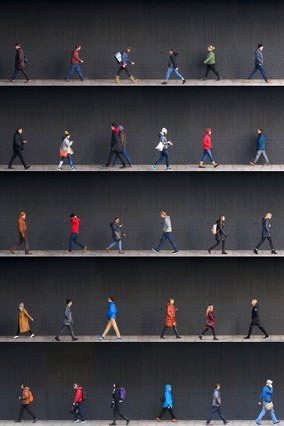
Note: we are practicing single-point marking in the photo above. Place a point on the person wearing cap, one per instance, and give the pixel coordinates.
(258, 64)
(266, 400)
(23, 237)
(260, 149)
(167, 233)
(124, 151)
(163, 147)
(207, 147)
(75, 64)
(170, 320)
(173, 66)
(210, 63)
(216, 405)
(23, 322)
(66, 151)
(123, 66)
(75, 222)
(115, 146)
(266, 234)
(18, 148)
(255, 321)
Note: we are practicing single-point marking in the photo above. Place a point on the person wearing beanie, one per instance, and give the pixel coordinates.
(207, 147)
(260, 149)
(115, 146)
(18, 147)
(170, 320)
(123, 61)
(216, 405)
(124, 151)
(255, 321)
(75, 64)
(267, 405)
(66, 151)
(111, 316)
(23, 322)
(26, 398)
(75, 222)
(167, 233)
(20, 63)
(23, 234)
(220, 236)
(210, 322)
(117, 235)
(210, 63)
(167, 401)
(173, 66)
(266, 233)
(163, 147)
(258, 65)
(67, 322)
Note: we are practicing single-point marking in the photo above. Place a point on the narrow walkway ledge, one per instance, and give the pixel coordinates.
(166, 421)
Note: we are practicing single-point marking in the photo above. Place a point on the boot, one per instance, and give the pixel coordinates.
(214, 164)
(201, 165)
(133, 79)
(117, 79)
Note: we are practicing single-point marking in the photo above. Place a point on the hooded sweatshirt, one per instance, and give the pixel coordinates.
(78, 395)
(168, 397)
(207, 140)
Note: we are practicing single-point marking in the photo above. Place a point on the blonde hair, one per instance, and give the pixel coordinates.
(208, 309)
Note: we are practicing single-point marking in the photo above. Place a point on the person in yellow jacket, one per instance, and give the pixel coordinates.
(23, 322)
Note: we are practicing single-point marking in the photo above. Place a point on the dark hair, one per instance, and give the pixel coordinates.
(260, 129)
(17, 44)
(114, 124)
(77, 45)
(68, 301)
(115, 218)
(72, 215)
(174, 52)
(217, 384)
(19, 128)
(111, 298)
(259, 45)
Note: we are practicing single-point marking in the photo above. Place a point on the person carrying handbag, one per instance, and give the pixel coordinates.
(117, 235)
(163, 146)
(267, 404)
(66, 151)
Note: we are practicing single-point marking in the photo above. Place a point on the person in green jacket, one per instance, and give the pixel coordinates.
(210, 63)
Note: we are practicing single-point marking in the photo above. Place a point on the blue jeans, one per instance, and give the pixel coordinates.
(262, 414)
(74, 239)
(258, 67)
(164, 154)
(207, 153)
(74, 67)
(170, 70)
(16, 72)
(125, 155)
(119, 242)
(80, 414)
(216, 410)
(167, 236)
(69, 158)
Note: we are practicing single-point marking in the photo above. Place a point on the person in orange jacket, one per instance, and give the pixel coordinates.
(26, 398)
(77, 408)
(170, 320)
(23, 322)
(207, 146)
(23, 237)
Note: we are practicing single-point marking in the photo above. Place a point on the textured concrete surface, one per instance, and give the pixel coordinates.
(138, 422)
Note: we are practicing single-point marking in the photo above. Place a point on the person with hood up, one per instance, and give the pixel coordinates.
(210, 322)
(118, 396)
(111, 316)
(167, 401)
(23, 237)
(117, 235)
(163, 147)
(77, 408)
(26, 398)
(267, 405)
(66, 151)
(124, 151)
(170, 320)
(255, 321)
(207, 147)
(266, 234)
(115, 146)
(173, 66)
(210, 63)
(23, 322)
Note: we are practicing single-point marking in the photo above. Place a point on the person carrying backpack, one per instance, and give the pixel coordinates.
(122, 59)
(77, 408)
(220, 236)
(26, 398)
(167, 401)
(118, 396)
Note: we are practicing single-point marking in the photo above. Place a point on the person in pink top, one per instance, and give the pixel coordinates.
(207, 146)
(75, 222)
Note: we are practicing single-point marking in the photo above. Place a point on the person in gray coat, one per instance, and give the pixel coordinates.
(167, 233)
(67, 322)
(216, 405)
(266, 234)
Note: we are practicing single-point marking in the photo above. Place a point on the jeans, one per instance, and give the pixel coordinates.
(211, 67)
(16, 72)
(263, 412)
(170, 70)
(69, 158)
(27, 408)
(119, 242)
(73, 239)
(258, 67)
(17, 153)
(262, 241)
(120, 69)
(170, 410)
(80, 414)
(164, 154)
(207, 153)
(125, 155)
(74, 67)
(116, 412)
(214, 410)
(259, 153)
(167, 236)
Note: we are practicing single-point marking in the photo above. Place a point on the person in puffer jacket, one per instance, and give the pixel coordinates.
(264, 399)
(167, 402)
(111, 316)
(77, 408)
(207, 147)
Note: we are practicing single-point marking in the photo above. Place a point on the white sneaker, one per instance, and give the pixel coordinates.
(83, 421)
(15, 337)
(59, 168)
(32, 336)
(76, 421)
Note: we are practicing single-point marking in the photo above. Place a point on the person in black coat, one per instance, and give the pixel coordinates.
(220, 236)
(266, 234)
(20, 63)
(118, 395)
(255, 321)
(117, 235)
(173, 66)
(116, 146)
(18, 147)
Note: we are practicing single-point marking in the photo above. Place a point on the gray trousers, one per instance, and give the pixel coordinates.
(259, 153)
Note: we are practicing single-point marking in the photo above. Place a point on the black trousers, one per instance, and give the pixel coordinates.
(70, 329)
(252, 324)
(164, 409)
(216, 245)
(112, 154)
(166, 328)
(17, 153)
(116, 412)
(120, 69)
(207, 328)
(211, 67)
(28, 410)
(262, 241)
(22, 240)
(217, 410)
(16, 72)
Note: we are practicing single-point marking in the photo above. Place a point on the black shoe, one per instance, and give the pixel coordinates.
(27, 167)
(10, 168)
(164, 82)
(57, 338)
(255, 251)
(75, 338)
(274, 252)
(178, 337)
(162, 337)
(247, 337)
(112, 424)
(35, 420)
(123, 167)
(224, 252)
(175, 251)
(209, 251)
(183, 81)
(127, 421)
(17, 421)
(218, 79)
(266, 336)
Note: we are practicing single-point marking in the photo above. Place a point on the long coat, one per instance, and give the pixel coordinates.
(170, 319)
(20, 59)
(24, 321)
(265, 228)
(210, 320)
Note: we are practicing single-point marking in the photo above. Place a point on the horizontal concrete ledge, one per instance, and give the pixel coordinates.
(137, 422)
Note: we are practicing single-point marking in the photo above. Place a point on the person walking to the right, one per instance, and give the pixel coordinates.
(210, 63)
(23, 322)
(23, 236)
(111, 316)
(68, 321)
(267, 405)
(163, 147)
(258, 65)
(220, 236)
(173, 66)
(167, 402)
(207, 147)
(255, 321)
(20, 64)
(266, 234)
(75, 222)
(66, 151)
(123, 60)
(124, 151)
(77, 408)
(210, 322)
(118, 396)
(170, 320)
(26, 398)
(18, 147)
(116, 148)
(260, 149)
(117, 235)
(216, 405)
(75, 64)
(167, 233)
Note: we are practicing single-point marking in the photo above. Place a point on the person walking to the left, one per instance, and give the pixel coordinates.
(20, 63)
(26, 398)
(75, 64)
(18, 147)
(23, 322)
(22, 229)
(68, 321)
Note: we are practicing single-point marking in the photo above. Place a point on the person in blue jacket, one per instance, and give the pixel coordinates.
(258, 64)
(265, 399)
(167, 401)
(123, 62)
(111, 316)
(260, 149)
(266, 234)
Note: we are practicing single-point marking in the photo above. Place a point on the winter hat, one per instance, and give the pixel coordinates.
(164, 130)
(208, 130)
(66, 133)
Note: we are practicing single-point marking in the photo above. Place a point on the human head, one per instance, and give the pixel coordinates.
(217, 386)
(116, 220)
(69, 302)
(269, 382)
(268, 215)
(72, 215)
(21, 306)
(78, 47)
(211, 48)
(76, 385)
(260, 46)
(110, 299)
(210, 308)
(113, 126)
(20, 130)
(23, 215)
(254, 302)
(222, 218)
(67, 134)
(259, 131)
(208, 131)
(172, 301)
(164, 130)
(17, 46)
(128, 49)
(163, 214)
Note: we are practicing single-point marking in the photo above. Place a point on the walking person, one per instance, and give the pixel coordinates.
(220, 236)
(67, 322)
(163, 147)
(258, 65)
(207, 147)
(123, 60)
(18, 147)
(115, 146)
(266, 233)
(255, 321)
(117, 235)
(170, 320)
(118, 396)
(267, 404)
(210, 322)
(26, 398)
(20, 64)
(167, 233)
(77, 408)
(111, 316)
(75, 64)
(260, 149)
(124, 151)
(75, 222)
(23, 234)
(23, 325)
(173, 66)
(66, 151)
(167, 401)
(210, 63)
(216, 405)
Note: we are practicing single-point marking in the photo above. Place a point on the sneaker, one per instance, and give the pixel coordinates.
(165, 82)
(268, 81)
(247, 337)
(11, 168)
(118, 339)
(35, 420)
(154, 167)
(57, 338)
(75, 339)
(154, 250)
(175, 251)
(59, 168)
(200, 337)
(121, 252)
(183, 81)
(16, 337)
(255, 251)
(85, 248)
(27, 167)
(215, 338)
(83, 421)
(178, 337)
(266, 336)
(174, 420)
(101, 337)
(252, 163)
(127, 421)
(158, 419)
(76, 421)
(274, 252)
(32, 336)
(169, 168)
(74, 168)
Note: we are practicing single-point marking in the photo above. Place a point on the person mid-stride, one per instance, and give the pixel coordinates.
(258, 64)
(207, 147)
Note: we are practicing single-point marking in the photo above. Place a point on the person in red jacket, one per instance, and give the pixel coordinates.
(77, 408)
(75, 221)
(210, 322)
(207, 146)
(170, 320)
(75, 64)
